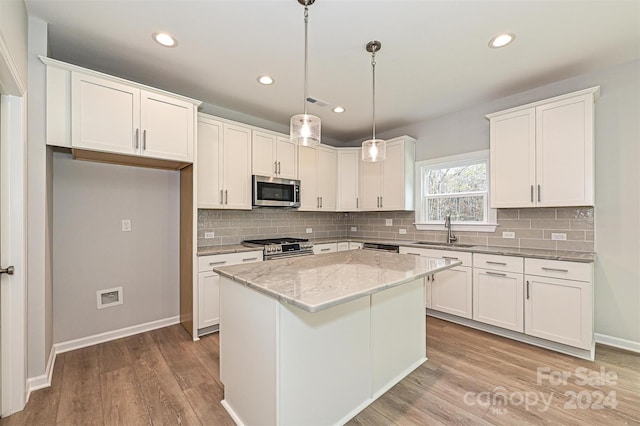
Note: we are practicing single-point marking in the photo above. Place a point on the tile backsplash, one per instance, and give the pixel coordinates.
(532, 227)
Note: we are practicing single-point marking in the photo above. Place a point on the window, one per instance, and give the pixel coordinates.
(457, 185)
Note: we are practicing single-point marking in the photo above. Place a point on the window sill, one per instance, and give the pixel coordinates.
(474, 227)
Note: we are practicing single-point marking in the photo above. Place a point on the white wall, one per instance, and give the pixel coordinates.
(90, 252)
(617, 270)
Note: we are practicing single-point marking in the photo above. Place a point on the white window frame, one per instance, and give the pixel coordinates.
(423, 225)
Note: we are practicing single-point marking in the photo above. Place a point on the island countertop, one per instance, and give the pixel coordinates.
(318, 282)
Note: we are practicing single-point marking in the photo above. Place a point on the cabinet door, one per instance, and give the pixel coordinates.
(348, 180)
(451, 292)
(208, 299)
(564, 152)
(327, 178)
(498, 299)
(559, 310)
(208, 158)
(343, 246)
(370, 178)
(167, 127)
(512, 159)
(307, 171)
(263, 154)
(236, 166)
(393, 178)
(105, 115)
(287, 156)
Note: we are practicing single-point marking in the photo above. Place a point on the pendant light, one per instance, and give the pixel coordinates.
(374, 149)
(305, 128)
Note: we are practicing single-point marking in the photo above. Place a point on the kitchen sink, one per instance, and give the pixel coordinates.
(442, 244)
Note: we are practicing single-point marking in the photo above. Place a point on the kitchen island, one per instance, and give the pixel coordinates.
(315, 339)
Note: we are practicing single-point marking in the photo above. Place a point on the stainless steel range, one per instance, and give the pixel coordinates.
(276, 248)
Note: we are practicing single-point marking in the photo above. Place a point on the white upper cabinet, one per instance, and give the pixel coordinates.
(223, 164)
(274, 155)
(317, 169)
(348, 179)
(388, 185)
(542, 153)
(98, 115)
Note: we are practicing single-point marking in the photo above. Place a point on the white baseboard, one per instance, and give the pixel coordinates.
(43, 381)
(617, 342)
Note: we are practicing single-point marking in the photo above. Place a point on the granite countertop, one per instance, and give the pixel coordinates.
(572, 256)
(315, 283)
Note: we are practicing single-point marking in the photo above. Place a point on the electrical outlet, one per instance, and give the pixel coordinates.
(508, 234)
(354, 228)
(559, 236)
(126, 225)
(388, 222)
(309, 230)
(209, 235)
(402, 231)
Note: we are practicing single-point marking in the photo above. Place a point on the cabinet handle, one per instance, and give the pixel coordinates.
(144, 139)
(450, 258)
(414, 254)
(527, 290)
(554, 269)
(279, 167)
(428, 277)
(325, 249)
(249, 259)
(320, 202)
(378, 201)
(532, 193)
(275, 167)
(497, 274)
(222, 262)
(137, 138)
(538, 193)
(221, 196)
(357, 203)
(433, 277)
(488, 262)
(381, 204)
(226, 196)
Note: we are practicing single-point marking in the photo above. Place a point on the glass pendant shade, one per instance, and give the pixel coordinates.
(305, 130)
(374, 150)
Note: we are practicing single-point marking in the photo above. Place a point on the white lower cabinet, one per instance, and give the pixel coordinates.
(343, 246)
(354, 245)
(209, 285)
(325, 248)
(498, 291)
(559, 309)
(448, 291)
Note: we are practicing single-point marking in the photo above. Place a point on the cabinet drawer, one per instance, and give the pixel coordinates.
(206, 263)
(498, 263)
(464, 257)
(559, 269)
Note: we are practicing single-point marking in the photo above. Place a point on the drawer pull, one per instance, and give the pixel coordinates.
(497, 274)
(414, 254)
(249, 259)
(222, 262)
(488, 262)
(450, 258)
(527, 290)
(554, 269)
(325, 249)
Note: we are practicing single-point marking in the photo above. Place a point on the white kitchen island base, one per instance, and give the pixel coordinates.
(281, 365)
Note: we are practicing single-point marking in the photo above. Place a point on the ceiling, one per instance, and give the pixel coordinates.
(435, 57)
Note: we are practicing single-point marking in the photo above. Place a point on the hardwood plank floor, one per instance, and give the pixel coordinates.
(472, 378)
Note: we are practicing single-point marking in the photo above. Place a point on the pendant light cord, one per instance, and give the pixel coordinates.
(373, 66)
(306, 48)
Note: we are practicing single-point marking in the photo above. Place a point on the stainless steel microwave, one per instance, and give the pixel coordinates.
(275, 192)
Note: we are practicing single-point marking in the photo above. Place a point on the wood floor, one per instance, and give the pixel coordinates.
(162, 377)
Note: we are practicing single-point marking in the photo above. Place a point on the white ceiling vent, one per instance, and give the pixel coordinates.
(316, 101)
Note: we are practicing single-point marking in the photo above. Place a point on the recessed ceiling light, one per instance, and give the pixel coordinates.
(501, 40)
(165, 39)
(265, 79)
(338, 109)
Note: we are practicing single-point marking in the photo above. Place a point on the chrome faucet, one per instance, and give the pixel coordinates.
(447, 224)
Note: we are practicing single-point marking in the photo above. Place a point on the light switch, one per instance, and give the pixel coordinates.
(126, 225)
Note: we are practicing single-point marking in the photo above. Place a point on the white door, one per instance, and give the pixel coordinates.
(167, 127)
(208, 299)
(263, 154)
(451, 292)
(236, 166)
(393, 178)
(498, 299)
(307, 171)
(208, 160)
(370, 178)
(327, 178)
(348, 179)
(287, 158)
(105, 115)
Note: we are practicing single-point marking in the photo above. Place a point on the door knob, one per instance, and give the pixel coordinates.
(7, 270)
